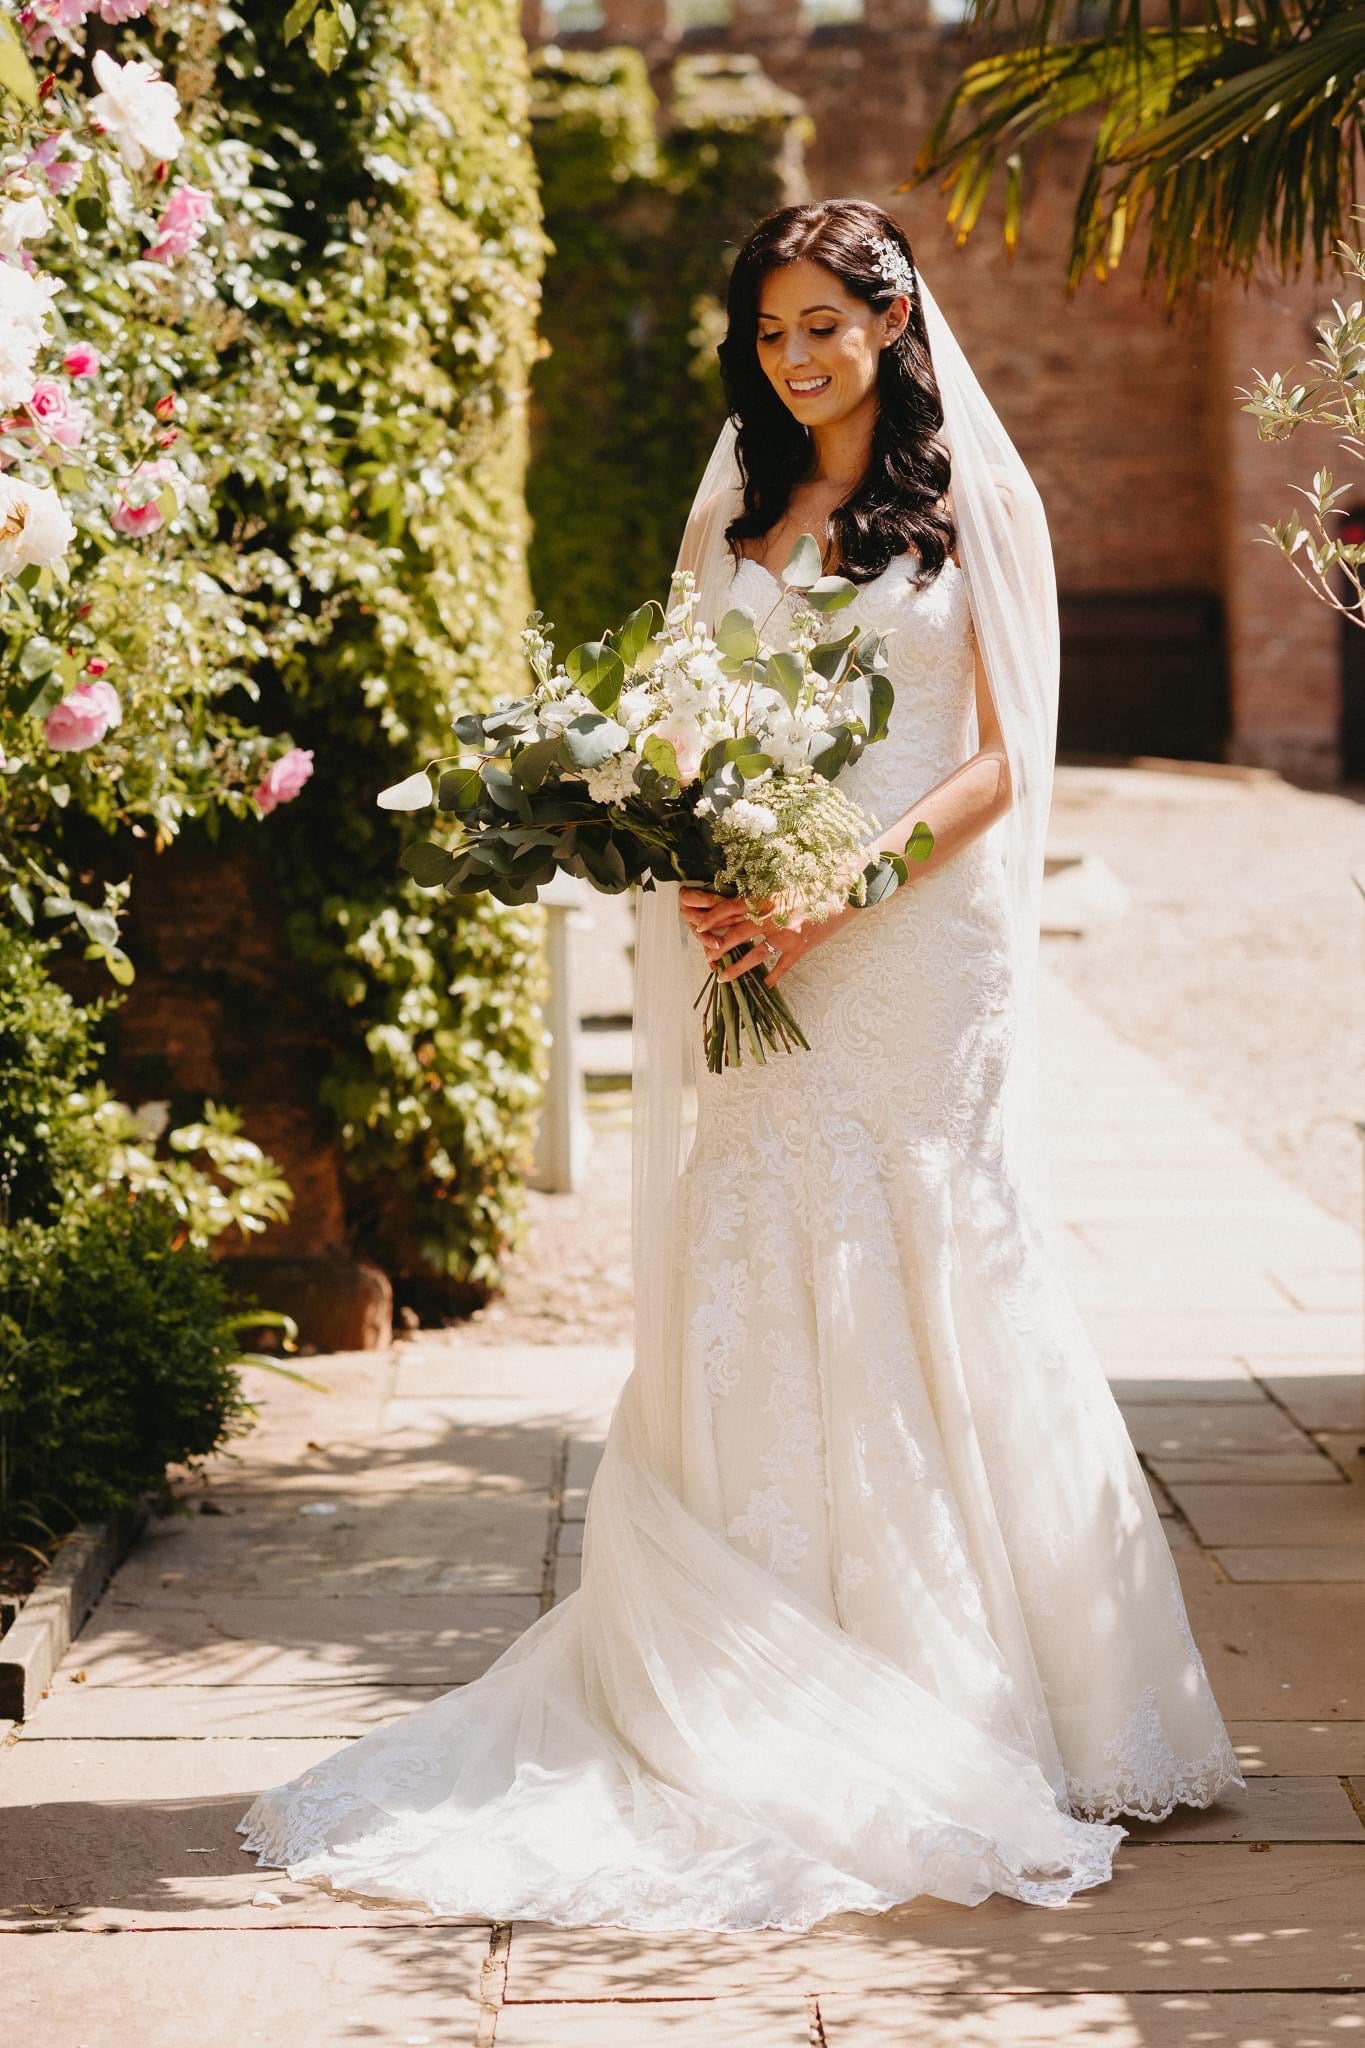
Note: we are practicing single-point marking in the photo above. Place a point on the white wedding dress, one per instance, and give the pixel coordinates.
(891, 1611)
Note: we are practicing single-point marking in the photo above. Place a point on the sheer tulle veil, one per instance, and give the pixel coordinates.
(1006, 556)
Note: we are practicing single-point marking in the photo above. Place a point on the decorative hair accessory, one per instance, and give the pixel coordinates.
(893, 264)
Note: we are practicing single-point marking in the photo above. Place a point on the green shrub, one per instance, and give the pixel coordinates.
(397, 362)
(48, 1146)
(94, 1406)
(627, 400)
(116, 1346)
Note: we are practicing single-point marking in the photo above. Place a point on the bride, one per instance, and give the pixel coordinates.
(875, 1601)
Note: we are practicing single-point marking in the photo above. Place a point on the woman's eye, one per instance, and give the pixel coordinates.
(766, 338)
(822, 330)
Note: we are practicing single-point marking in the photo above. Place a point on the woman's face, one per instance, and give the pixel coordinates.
(818, 345)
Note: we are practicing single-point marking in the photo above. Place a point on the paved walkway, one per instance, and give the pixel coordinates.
(366, 1551)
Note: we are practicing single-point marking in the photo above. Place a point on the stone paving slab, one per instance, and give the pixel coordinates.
(244, 1712)
(1274, 1515)
(1267, 1335)
(1275, 1658)
(425, 1639)
(782, 2022)
(1165, 1381)
(1267, 2019)
(1176, 1918)
(1320, 1565)
(1298, 1809)
(1298, 1748)
(420, 1540)
(473, 1445)
(1318, 1394)
(369, 1987)
(1251, 1468)
(1198, 1429)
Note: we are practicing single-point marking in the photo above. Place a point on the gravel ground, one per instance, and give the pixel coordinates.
(1238, 962)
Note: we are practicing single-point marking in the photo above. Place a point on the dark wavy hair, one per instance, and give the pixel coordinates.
(898, 503)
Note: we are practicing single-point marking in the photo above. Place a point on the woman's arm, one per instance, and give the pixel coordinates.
(957, 810)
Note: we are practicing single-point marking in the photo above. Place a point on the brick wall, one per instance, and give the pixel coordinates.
(1153, 480)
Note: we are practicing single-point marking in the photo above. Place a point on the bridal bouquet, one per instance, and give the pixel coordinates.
(665, 751)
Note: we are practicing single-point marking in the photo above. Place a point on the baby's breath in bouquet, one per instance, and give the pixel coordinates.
(667, 752)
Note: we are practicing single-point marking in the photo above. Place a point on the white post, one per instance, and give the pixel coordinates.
(563, 1136)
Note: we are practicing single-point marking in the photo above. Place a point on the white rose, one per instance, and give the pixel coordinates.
(685, 737)
(22, 220)
(138, 109)
(35, 526)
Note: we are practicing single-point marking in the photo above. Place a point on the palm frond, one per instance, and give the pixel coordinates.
(1226, 140)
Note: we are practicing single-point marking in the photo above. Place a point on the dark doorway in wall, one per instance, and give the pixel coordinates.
(1143, 672)
(1352, 727)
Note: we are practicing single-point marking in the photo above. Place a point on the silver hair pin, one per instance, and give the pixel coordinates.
(893, 264)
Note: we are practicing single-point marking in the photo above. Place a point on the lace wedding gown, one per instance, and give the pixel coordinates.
(894, 1613)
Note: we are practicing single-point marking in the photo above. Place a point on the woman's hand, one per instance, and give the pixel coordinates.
(721, 923)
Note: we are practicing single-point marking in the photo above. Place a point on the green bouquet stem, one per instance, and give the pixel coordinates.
(746, 1011)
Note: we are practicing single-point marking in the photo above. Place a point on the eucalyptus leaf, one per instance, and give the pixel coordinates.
(784, 673)
(830, 750)
(460, 789)
(737, 636)
(804, 567)
(533, 763)
(635, 635)
(882, 694)
(429, 865)
(920, 844)
(506, 793)
(589, 740)
(831, 593)
(662, 757)
(599, 672)
(885, 878)
(412, 794)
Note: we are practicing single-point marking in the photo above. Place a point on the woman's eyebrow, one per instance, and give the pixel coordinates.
(773, 319)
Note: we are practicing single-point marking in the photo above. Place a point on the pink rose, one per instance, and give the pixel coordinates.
(285, 778)
(181, 224)
(82, 718)
(63, 418)
(123, 10)
(81, 360)
(137, 510)
(60, 176)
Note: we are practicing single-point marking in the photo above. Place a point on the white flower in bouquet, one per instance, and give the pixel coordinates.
(614, 781)
(685, 737)
(635, 707)
(753, 820)
(557, 712)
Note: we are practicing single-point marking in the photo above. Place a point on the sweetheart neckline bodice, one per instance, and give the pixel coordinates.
(751, 561)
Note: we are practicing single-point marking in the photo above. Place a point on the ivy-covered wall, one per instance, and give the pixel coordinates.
(644, 206)
(392, 360)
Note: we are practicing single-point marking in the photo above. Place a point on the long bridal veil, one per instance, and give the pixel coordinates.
(1006, 555)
